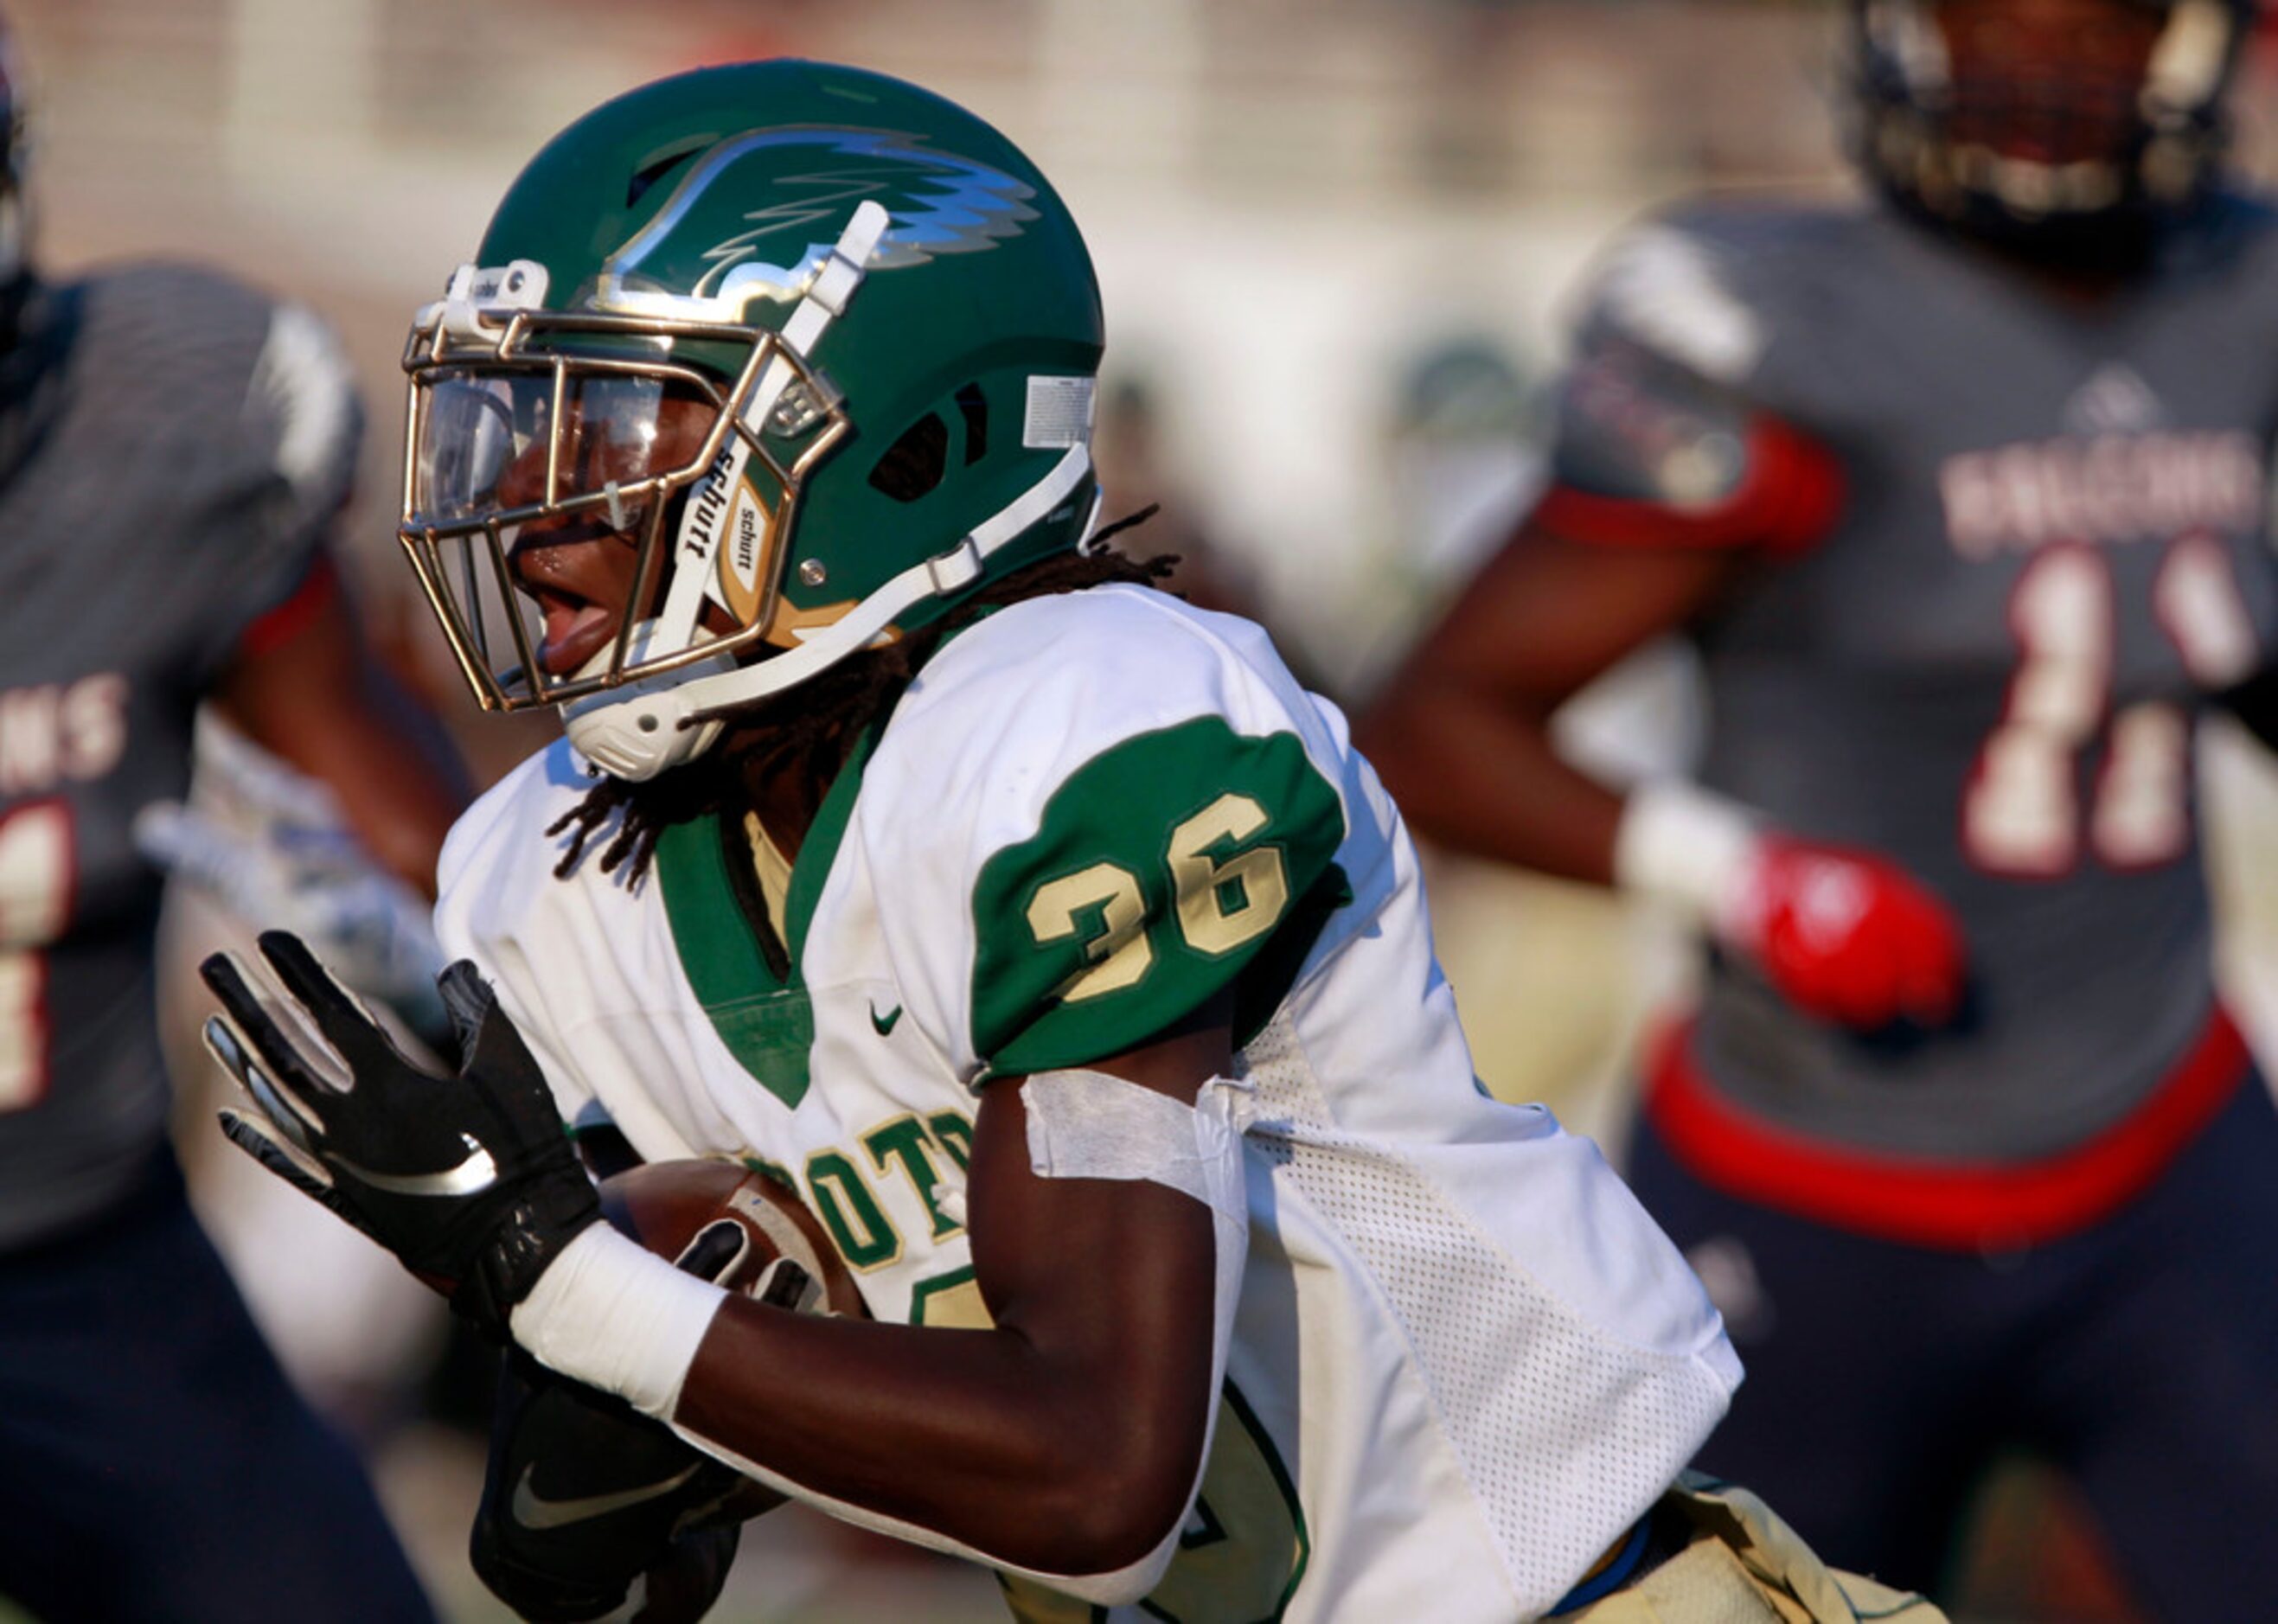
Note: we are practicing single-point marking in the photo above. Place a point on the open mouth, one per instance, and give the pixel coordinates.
(579, 580)
(575, 631)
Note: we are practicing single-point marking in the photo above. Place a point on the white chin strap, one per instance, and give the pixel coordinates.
(642, 729)
(942, 576)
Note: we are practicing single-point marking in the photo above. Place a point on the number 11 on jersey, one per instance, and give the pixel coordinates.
(2021, 812)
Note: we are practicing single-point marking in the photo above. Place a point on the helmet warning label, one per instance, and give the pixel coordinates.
(1058, 415)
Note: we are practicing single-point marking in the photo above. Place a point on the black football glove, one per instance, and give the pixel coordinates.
(585, 1495)
(471, 1181)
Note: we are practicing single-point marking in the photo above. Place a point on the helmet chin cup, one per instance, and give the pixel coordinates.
(641, 730)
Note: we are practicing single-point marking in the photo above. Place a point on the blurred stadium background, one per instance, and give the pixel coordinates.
(1334, 236)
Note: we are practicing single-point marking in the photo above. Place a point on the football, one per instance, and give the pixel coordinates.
(742, 1229)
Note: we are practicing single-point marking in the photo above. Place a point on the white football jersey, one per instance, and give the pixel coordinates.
(1464, 1359)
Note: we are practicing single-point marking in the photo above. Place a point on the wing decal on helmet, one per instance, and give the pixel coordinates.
(705, 520)
(937, 203)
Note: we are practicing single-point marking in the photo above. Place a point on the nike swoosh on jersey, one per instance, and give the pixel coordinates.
(477, 1172)
(884, 1023)
(538, 1513)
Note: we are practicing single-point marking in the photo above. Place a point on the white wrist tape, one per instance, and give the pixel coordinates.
(1088, 1125)
(1684, 845)
(615, 1316)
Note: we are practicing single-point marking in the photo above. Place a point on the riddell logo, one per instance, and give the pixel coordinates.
(2104, 489)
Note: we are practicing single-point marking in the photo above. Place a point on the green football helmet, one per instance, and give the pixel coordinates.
(818, 343)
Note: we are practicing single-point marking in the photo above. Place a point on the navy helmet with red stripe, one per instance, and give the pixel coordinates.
(2052, 151)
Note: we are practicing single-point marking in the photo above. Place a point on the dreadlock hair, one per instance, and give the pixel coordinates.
(811, 728)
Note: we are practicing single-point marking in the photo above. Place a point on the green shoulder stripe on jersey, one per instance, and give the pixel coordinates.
(766, 1021)
(820, 849)
(1168, 868)
(768, 1025)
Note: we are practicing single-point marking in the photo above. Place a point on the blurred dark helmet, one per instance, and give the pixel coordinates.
(2065, 129)
(15, 208)
(15, 201)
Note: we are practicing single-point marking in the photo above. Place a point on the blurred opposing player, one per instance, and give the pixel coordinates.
(1961, 494)
(172, 448)
(1036, 926)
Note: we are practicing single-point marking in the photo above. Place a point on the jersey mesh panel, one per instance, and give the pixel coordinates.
(1563, 1433)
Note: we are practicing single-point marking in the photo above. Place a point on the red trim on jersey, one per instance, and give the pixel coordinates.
(1789, 499)
(275, 628)
(1954, 1206)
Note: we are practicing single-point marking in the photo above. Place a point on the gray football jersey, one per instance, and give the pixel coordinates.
(171, 448)
(2050, 550)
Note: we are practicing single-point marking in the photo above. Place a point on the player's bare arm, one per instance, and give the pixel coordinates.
(1065, 1439)
(1461, 735)
(1671, 487)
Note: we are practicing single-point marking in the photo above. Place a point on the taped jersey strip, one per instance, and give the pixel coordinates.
(1088, 1125)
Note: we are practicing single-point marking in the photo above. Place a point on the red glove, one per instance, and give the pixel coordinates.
(1844, 935)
